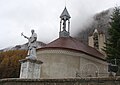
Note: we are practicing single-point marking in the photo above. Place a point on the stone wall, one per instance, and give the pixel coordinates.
(68, 81)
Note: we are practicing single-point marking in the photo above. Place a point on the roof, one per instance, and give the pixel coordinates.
(65, 13)
(70, 43)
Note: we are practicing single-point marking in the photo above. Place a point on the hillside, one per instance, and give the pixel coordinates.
(100, 21)
(22, 47)
(9, 63)
(9, 60)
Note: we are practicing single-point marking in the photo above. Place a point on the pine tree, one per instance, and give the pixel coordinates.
(112, 48)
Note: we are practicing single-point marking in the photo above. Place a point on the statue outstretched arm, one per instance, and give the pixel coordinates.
(24, 36)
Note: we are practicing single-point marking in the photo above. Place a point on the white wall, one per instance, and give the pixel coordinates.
(58, 63)
(65, 63)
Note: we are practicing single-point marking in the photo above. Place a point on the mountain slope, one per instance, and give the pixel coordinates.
(100, 22)
(23, 47)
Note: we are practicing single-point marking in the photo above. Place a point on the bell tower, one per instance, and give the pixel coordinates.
(64, 24)
(97, 40)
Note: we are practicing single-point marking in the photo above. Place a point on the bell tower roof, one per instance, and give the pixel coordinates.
(95, 31)
(65, 14)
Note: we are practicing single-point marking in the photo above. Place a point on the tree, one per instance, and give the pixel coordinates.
(112, 48)
(9, 63)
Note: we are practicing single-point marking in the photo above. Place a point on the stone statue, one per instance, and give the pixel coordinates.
(31, 45)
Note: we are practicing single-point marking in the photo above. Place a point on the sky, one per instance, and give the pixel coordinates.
(17, 16)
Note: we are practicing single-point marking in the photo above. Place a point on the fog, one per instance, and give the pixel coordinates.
(17, 16)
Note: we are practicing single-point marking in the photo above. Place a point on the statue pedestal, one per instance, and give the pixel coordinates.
(30, 68)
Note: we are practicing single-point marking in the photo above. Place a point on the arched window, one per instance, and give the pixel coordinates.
(90, 70)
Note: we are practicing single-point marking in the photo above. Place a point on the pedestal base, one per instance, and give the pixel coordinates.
(30, 68)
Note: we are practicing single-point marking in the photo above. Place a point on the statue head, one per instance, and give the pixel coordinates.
(32, 31)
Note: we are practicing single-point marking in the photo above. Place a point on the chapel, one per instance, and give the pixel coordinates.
(67, 57)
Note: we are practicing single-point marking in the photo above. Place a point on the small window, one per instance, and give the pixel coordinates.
(95, 39)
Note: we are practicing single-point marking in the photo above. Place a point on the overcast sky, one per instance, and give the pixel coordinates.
(17, 16)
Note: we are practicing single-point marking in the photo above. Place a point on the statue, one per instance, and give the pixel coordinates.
(31, 45)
